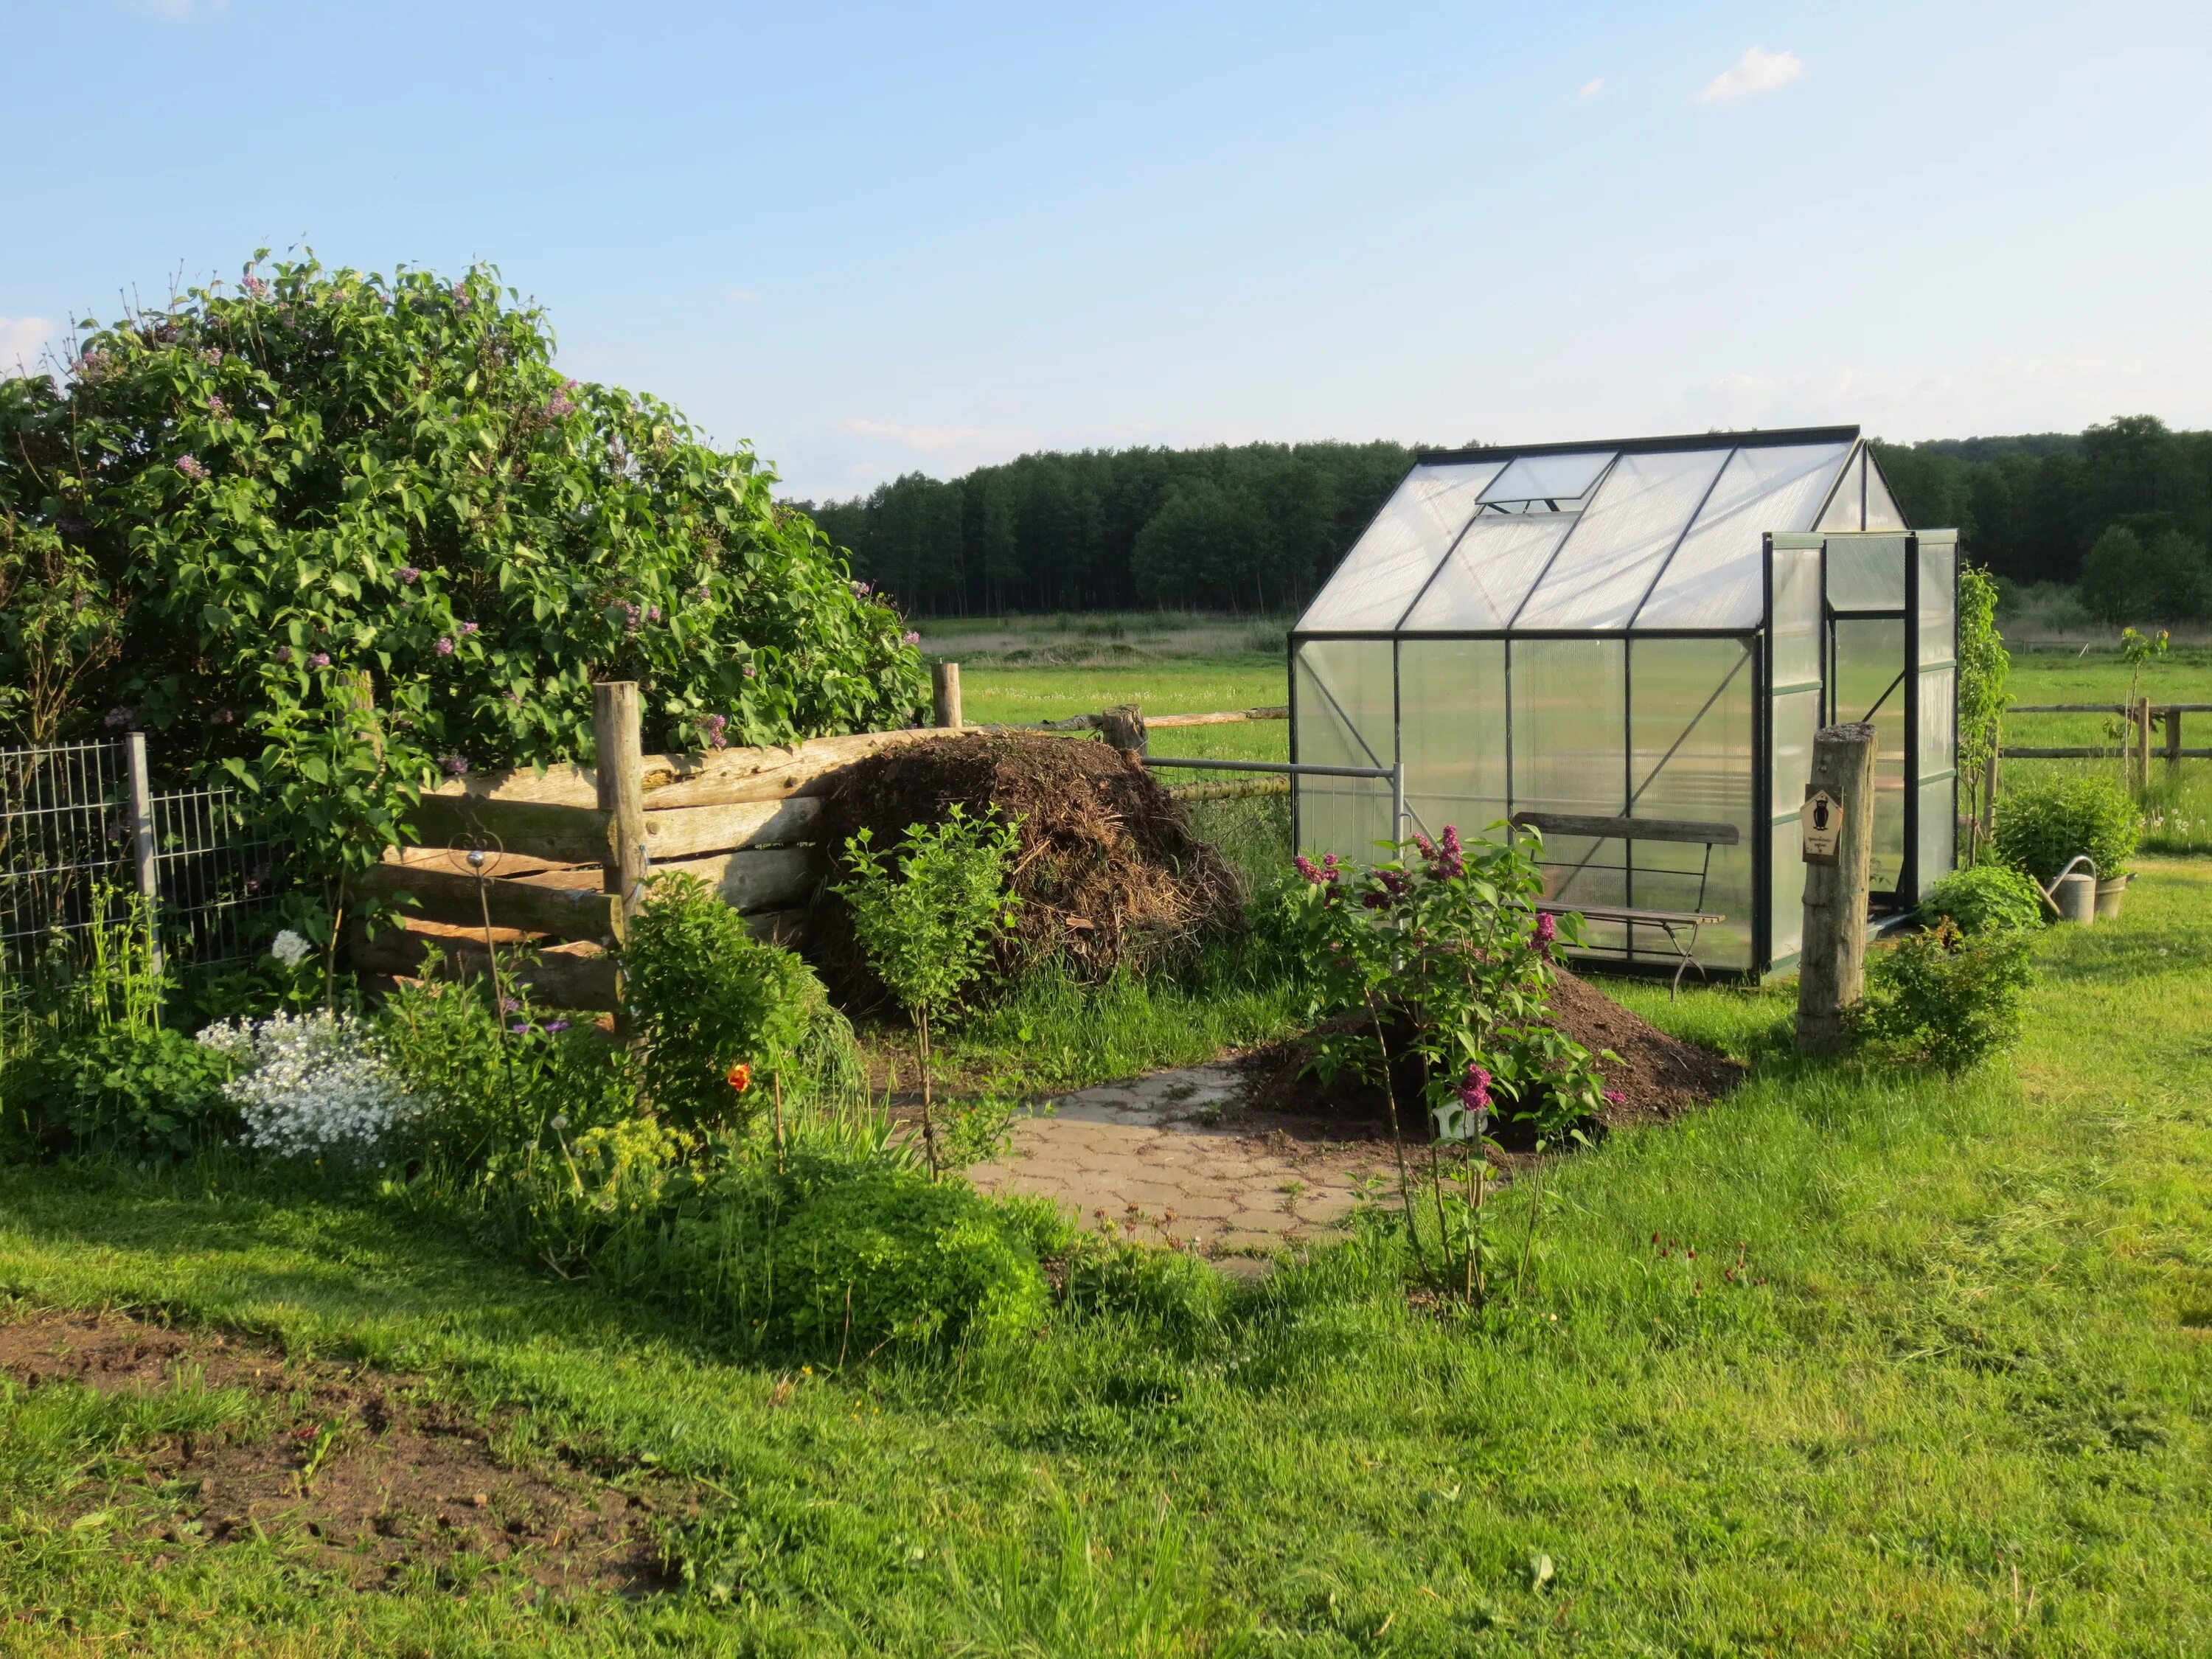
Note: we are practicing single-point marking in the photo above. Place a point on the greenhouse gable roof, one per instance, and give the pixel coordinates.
(1624, 535)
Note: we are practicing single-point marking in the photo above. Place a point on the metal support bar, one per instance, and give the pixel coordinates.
(145, 854)
(1294, 769)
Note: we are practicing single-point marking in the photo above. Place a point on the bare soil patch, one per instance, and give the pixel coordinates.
(1658, 1076)
(364, 1473)
(1107, 870)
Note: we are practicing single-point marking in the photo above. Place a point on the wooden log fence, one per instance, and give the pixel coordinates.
(566, 848)
(2135, 749)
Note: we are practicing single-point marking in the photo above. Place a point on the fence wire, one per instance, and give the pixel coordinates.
(67, 865)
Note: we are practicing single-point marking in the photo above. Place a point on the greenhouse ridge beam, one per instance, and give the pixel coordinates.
(1765, 438)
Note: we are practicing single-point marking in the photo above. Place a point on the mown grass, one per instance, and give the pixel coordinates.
(1957, 1403)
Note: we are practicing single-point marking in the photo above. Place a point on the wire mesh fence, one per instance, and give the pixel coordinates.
(70, 863)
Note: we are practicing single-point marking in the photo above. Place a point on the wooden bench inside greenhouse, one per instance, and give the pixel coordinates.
(1673, 923)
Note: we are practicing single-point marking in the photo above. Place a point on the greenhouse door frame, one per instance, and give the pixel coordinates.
(1755, 642)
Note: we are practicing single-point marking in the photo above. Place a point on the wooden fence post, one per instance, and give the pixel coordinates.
(2174, 740)
(1123, 728)
(2142, 743)
(947, 679)
(617, 766)
(1832, 971)
(143, 853)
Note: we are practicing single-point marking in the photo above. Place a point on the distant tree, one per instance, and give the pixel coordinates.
(2118, 581)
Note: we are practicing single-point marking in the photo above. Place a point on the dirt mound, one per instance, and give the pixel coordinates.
(1657, 1077)
(364, 1474)
(1109, 872)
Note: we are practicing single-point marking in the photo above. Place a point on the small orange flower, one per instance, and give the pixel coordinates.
(741, 1077)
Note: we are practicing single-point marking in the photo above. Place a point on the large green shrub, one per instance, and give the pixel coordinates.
(1982, 897)
(2044, 825)
(1948, 998)
(709, 999)
(228, 504)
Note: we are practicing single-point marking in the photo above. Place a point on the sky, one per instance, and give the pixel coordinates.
(876, 239)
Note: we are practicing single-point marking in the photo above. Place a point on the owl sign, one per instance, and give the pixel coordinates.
(1822, 817)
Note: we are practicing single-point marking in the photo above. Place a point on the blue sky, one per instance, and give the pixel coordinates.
(873, 239)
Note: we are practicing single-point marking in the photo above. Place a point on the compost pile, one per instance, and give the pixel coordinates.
(1657, 1077)
(1107, 871)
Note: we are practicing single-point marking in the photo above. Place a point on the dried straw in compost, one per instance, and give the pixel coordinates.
(1107, 870)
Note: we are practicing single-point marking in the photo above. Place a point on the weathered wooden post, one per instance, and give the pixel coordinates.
(947, 681)
(143, 853)
(1838, 820)
(1123, 728)
(618, 768)
(2142, 744)
(2173, 739)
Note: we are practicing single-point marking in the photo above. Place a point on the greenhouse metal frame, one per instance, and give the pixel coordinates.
(1628, 645)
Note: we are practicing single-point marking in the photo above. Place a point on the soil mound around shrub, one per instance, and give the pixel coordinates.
(362, 1474)
(1658, 1076)
(1109, 872)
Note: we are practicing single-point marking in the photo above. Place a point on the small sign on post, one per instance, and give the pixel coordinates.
(1831, 968)
(1822, 817)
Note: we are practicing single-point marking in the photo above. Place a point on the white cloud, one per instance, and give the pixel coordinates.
(742, 297)
(1757, 71)
(2060, 392)
(927, 438)
(22, 340)
(1591, 88)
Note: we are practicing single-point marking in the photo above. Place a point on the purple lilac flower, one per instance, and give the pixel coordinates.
(509, 1005)
(445, 647)
(468, 628)
(212, 357)
(190, 467)
(714, 726)
(1547, 929)
(222, 716)
(409, 574)
(120, 716)
(217, 407)
(1427, 847)
(461, 300)
(1449, 861)
(1614, 1097)
(653, 613)
(520, 1027)
(910, 637)
(1475, 1088)
(256, 287)
(861, 590)
(1308, 869)
(749, 670)
(457, 766)
(561, 403)
(630, 615)
(283, 654)
(554, 1025)
(320, 660)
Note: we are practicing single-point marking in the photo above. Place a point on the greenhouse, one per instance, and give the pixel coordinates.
(1628, 645)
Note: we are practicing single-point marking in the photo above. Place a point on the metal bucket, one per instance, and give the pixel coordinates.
(2075, 896)
(2110, 892)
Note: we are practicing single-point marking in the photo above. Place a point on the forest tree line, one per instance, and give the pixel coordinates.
(2123, 510)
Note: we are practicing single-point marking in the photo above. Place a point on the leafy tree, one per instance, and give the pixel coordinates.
(1984, 668)
(2117, 577)
(926, 922)
(271, 492)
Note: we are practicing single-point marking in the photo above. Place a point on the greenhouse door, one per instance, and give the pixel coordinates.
(1888, 615)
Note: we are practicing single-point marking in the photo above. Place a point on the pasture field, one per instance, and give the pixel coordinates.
(1933, 1382)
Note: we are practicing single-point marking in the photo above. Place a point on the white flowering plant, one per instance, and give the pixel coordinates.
(312, 1085)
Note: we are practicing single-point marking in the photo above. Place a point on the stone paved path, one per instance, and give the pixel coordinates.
(1170, 1157)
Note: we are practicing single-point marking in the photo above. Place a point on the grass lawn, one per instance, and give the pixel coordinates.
(1958, 1403)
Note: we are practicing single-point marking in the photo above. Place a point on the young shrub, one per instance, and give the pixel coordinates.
(1947, 997)
(2041, 827)
(139, 1093)
(312, 1085)
(1984, 666)
(1982, 897)
(567, 1202)
(926, 920)
(720, 1011)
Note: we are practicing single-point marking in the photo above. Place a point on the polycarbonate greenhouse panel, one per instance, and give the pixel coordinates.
(1453, 734)
(1939, 599)
(1938, 831)
(1867, 686)
(1881, 510)
(1483, 579)
(1548, 477)
(1401, 549)
(1570, 755)
(1937, 752)
(1867, 573)
(1847, 507)
(1637, 516)
(1794, 627)
(1691, 747)
(1343, 706)
(1714, 579)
